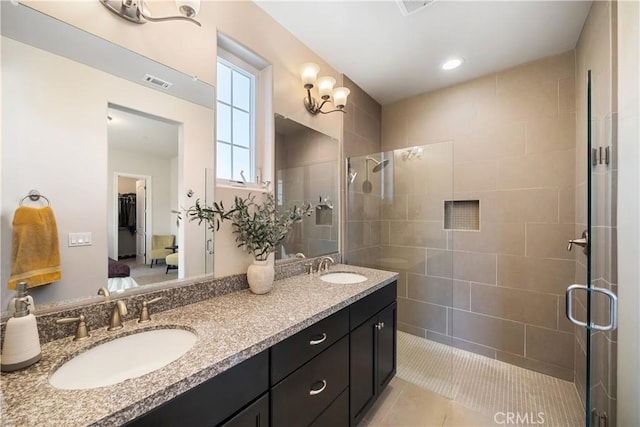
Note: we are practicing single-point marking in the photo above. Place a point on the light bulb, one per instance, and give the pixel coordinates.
(452, 64)
(309, 73)
(325, 86)
(340, 95)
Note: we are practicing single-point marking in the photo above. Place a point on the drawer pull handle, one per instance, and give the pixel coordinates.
(318, 341)
(313, 392)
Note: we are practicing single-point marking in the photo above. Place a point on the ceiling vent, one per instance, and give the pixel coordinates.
(157, 81)
(408, 7)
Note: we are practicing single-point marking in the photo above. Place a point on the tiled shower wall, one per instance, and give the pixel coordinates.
(361, 136)
(307, 168)
(596, 51)
(511, 140)
(361, 133)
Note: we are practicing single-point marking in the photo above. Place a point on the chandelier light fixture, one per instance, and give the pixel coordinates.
(338, 95)
(138, 12)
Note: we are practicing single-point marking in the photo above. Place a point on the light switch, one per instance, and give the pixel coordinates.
(80, 239)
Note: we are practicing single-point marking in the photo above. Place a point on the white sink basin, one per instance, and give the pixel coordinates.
(343, 278)
(123, 358)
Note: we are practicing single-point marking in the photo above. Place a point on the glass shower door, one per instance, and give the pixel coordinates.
(395, 221)
(592, 305)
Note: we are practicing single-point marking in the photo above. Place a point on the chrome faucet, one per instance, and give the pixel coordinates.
(323, 264)
(116, 320)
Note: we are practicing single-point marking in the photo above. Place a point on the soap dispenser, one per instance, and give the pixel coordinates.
(21, 346)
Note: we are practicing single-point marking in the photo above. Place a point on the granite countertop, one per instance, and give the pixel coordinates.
(230, 328)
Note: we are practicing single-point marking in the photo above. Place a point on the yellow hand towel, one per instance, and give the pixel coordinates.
(35, 254)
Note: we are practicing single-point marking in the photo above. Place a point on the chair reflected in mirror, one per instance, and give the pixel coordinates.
(161, 246)
(172, 262)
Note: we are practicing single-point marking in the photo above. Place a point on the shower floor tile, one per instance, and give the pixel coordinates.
(459, 388)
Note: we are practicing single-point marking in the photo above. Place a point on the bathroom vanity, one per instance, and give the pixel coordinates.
(308, 353)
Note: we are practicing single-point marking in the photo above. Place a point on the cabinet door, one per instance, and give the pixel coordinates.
(362, 363)
(254, 415)
(386, 345)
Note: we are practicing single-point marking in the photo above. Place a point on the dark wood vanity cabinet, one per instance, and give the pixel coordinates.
(347, 375)
(326, 375)
(373, 350)
(309, 372)
(254, 415)
(214, 401)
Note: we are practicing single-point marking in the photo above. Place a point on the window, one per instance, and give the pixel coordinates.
(236, 120)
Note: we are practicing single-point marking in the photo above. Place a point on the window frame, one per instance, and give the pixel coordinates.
(238, 65)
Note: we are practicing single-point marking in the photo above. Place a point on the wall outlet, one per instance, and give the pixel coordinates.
(80, 239)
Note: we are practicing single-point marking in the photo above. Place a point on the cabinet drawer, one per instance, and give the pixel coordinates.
(305, 394)
(295, 351)
(372, 304)
(336, 415)
(213, 401)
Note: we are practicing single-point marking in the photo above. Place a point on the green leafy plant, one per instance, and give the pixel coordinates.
(212, 215)
(260, 226)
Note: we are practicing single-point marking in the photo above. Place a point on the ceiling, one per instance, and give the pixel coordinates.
(139, 133)
(393, 57)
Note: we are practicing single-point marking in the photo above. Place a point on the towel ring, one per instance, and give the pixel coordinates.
(34, 196)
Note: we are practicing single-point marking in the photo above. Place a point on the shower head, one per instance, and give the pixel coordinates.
(412, 153)
(352, 175)
(379, 164)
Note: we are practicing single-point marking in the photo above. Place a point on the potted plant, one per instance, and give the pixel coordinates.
(259, 226)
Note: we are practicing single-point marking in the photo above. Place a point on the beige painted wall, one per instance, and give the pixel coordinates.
(513, 137)
(628, 375)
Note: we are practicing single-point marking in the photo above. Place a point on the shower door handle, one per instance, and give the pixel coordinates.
(613, 308)
(210, 246)
(583, 242)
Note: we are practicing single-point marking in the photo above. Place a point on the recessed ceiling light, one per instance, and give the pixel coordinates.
(452, 64)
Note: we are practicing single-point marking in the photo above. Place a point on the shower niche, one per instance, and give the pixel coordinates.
(462, 215)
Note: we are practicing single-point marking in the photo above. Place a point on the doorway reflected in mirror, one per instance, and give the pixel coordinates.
(143, 161)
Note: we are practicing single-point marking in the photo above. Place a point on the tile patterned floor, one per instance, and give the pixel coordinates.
(438, 385)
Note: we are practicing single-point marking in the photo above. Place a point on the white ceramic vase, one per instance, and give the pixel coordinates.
(260, 276)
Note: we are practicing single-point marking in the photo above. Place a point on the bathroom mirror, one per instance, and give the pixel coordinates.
(307, 170)
(60, 86)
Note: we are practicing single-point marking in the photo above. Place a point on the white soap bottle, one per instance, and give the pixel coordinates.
(21, 345)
